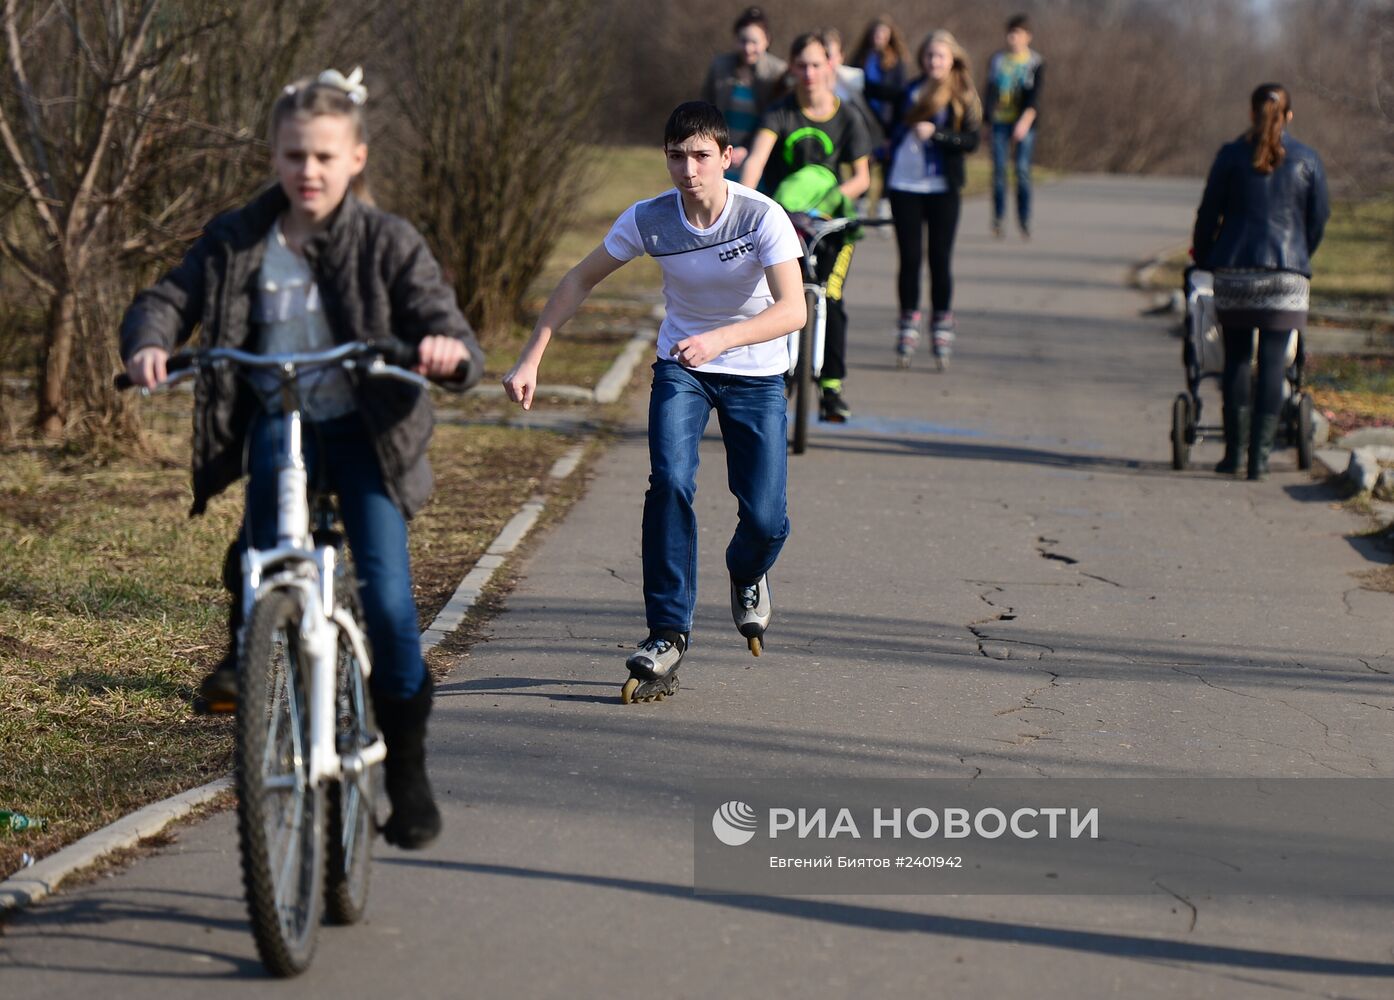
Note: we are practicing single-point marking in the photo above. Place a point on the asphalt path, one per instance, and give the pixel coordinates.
(992, 571)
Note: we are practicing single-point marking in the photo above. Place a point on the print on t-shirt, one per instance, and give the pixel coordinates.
(712, 277)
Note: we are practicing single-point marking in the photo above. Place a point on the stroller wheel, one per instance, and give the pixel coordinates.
(1182, 431)
(1306, 431)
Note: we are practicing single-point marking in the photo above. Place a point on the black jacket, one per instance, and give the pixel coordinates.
(959, 138)
(376, 278)
(1251, 220)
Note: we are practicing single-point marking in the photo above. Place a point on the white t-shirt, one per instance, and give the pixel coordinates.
(712, 277)
(292, 321)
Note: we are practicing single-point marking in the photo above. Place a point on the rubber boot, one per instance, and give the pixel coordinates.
(1236, 437)
(1265, 430)
(415, 820)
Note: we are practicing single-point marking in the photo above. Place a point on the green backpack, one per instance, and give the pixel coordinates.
(814, 189)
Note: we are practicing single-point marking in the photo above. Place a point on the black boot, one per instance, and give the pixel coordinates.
(217, 692)
(415, 820)
(1265, 430)
(1236, 436)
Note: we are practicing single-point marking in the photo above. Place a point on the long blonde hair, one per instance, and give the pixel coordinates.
(957, 92)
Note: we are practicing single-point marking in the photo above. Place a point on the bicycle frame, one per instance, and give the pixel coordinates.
(298, 565)
(812, 232)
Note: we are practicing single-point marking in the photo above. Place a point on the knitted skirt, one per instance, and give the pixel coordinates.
(1268, 300)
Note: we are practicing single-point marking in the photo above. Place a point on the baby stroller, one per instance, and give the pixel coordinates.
(1203, 354)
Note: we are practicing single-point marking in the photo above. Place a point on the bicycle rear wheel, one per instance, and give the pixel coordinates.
(280, 812)
(803, 380)
(350, 806)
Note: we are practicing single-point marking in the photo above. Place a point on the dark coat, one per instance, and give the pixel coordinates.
(1251, 220)
(377, 280)
(722, 78)
(954, 142)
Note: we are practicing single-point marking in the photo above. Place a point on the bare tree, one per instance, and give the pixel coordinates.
(126, 125)
(500, 98)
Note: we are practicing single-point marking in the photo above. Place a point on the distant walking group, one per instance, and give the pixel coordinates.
(818, 111)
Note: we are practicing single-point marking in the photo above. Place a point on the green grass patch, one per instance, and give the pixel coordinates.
(111, 609)
(1354, 266)
(625, 174)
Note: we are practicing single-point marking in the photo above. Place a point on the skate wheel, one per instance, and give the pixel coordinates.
(627, 692)
(754, 643)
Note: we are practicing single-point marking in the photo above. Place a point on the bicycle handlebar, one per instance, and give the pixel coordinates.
(814, 230)
(385, 359)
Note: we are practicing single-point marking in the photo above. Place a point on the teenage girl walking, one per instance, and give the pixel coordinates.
(940, 120)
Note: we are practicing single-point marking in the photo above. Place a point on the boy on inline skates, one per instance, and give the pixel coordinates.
(733, 291)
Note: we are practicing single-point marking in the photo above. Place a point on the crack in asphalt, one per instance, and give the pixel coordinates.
(616, 574)
(1183, 901)
(1325, 729)
(1102, 579)
(1286, 746)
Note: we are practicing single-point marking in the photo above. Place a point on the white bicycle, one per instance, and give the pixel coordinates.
(806, 363)
(307, 746)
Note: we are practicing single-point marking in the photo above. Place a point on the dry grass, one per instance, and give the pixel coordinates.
(111, 609)
(1352, 391)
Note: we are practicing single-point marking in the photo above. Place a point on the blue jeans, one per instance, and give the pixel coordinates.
(754, 422)
(376, 530)
(1001, 146)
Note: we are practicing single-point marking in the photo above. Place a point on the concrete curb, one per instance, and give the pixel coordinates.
(508, 539)
(44, 877)
(612, 383)
(29, 885)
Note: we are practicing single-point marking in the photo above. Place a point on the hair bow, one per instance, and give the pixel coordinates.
(352, 85)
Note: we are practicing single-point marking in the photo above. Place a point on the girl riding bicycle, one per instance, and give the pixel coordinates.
(308, 263)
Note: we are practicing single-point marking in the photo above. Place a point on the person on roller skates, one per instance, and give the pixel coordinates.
(733, 292)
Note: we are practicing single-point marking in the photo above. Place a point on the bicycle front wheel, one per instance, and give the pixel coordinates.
(280, 812)
(350, 800)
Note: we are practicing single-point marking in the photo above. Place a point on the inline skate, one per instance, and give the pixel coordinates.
(907, 338)
(941, 329)
(653, 668)
(752, 610)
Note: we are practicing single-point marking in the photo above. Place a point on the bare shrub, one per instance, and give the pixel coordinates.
(499, 97)
(129, 124)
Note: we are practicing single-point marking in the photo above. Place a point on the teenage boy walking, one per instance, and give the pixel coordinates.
(733, 292)
(1012, 97)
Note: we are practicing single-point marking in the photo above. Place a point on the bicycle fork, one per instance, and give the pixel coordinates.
(817, 328)
(293, 565)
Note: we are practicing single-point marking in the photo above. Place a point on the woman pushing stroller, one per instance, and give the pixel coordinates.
(1260, 220)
